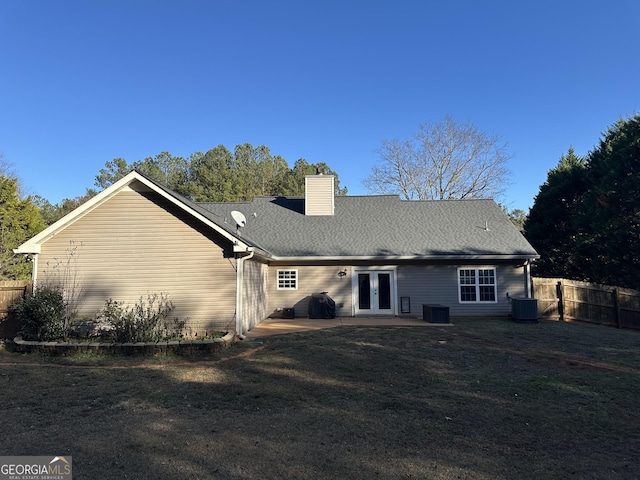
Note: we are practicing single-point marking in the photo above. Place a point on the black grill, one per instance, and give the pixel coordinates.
(322, 305)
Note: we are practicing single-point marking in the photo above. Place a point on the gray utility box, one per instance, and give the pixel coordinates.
(435, 313)
(524, 309)
(288, 313)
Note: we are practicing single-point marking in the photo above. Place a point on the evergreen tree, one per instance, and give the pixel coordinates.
(294, 182)
(215, 176)
(609, 220)
(67, 205)
(19, 220)
(113, 171)
(210, 176)
(551, 223)
(49, 213)
(165, 169)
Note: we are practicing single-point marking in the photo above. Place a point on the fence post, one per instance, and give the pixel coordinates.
(616, 307)
(559, 294)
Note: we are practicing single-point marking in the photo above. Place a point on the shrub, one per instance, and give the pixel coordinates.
(147, 321)
(64, 274)
(42, 315)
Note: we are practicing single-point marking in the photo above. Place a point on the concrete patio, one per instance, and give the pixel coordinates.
(277, 326)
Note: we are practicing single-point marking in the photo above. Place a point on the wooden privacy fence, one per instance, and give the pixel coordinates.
(11, 291)
(573, 300)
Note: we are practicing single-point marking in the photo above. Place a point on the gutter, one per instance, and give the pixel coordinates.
(401, 257)
(239, 282)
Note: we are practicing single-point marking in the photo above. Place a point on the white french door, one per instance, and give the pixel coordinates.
(374, 292)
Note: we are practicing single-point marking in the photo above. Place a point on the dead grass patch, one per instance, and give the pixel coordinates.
(483, 399)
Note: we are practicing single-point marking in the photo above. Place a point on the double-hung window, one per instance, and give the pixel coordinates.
(287, 279)
(477, 285)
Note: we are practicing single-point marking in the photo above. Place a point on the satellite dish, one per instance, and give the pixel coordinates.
(239, 218)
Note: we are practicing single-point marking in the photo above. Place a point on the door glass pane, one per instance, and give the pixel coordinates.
(364, 291)
(384, 291)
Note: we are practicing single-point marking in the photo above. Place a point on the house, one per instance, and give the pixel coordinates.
(228, 266)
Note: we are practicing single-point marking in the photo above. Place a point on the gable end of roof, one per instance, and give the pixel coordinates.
(134, 181)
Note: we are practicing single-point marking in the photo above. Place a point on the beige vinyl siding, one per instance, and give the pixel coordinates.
(138, 243)
(438, 284)
(311, 279)
(254, 293)
(423, 284)
(319, 195)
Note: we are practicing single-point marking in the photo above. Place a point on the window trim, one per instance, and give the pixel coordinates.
(477, 285)
(292, 279)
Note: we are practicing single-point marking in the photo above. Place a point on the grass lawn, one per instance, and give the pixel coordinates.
(482, 399)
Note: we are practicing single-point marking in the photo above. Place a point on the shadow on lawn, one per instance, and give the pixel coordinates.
(349, 402)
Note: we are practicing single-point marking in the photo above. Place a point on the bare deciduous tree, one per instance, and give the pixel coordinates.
(445, 160)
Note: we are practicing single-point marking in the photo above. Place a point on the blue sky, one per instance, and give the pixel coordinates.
(83, 82)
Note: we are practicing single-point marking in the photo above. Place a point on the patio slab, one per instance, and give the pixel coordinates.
(277, 326)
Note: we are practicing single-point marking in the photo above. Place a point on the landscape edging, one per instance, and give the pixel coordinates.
(142, 348)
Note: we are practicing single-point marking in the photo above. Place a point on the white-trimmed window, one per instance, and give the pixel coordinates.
(287, 279)
(477, 285)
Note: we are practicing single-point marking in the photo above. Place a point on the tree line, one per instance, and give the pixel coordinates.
(443, 160)
(218, 175)
(585, 220)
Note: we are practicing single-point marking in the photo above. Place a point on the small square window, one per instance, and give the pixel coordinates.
(287, 279)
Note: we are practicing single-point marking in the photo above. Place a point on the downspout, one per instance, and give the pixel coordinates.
(527, 274)
(34, 270)
(239, 284)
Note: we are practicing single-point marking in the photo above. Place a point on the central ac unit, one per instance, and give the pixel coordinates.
(524, 308)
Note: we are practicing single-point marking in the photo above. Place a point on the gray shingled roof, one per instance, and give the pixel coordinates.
(376, 226)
